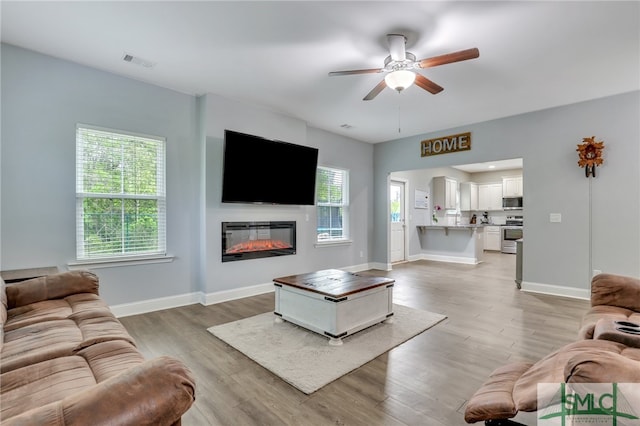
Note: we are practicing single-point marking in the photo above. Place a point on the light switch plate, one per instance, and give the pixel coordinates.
(555, 217)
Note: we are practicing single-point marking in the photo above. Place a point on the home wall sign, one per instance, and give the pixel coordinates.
(446, 144)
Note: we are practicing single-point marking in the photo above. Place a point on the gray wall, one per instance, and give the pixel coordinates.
(600, 227)
(42, 100)
(334, 150)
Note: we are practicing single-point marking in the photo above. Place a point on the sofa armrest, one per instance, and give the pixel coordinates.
(56, 286)
(616, 290)
(157, 392)
(494, 399)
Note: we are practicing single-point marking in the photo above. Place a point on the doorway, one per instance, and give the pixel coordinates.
(397, 221)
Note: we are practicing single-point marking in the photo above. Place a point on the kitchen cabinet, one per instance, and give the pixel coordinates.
(492, 238)
(468, 196)
(490, 196)
(445, 192)
(512, 186)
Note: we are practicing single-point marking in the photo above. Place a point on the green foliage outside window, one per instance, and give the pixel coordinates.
(120, 186)
(331, 202)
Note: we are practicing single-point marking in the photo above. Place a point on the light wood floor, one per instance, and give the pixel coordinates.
(425, 381)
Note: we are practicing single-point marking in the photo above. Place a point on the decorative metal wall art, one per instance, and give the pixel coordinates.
(590, 153)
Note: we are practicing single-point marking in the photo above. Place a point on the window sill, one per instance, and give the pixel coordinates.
(332, 243)
(119, 261)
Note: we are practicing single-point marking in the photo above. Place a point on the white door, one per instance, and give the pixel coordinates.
(397, 221)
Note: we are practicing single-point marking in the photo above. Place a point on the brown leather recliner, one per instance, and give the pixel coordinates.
(604, 355)
(67, 360)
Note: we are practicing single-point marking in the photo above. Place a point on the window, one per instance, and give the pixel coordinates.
(120, 194)
(332, 193)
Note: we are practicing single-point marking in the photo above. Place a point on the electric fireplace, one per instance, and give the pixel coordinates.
(253, 240)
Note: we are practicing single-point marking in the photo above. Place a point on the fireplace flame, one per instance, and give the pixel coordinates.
(258, 245)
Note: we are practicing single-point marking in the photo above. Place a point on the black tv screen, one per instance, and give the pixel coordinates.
(259, 170)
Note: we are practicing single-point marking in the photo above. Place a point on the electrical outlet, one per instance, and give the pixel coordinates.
(555, 217)
(361, 254)
(596, 272)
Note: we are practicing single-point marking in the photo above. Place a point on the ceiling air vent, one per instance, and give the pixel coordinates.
(127, 57)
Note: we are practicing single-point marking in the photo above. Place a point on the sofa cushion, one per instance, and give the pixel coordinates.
(39, 342)
(52, 309)
(591, 366)
(45, 382)
(154, 393)
(56, 286)
(45, 340)
(41, 383)
(616, 290)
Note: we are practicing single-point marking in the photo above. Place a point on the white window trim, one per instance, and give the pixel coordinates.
(346, 222)
(124, 259)
(112, 262)
(331, 243)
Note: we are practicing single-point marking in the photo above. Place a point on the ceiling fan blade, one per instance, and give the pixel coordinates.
(428, 85)
(462, 55)
(397, 44)
(375, 91)
(352, 72)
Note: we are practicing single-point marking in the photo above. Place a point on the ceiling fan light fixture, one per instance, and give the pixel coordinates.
(400, 79)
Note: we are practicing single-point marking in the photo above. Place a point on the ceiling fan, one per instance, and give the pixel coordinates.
(400, 66)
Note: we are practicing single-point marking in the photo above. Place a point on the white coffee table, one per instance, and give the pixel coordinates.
(333, 303)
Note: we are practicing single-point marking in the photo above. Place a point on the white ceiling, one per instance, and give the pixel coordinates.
(533, 55)
(491, 166)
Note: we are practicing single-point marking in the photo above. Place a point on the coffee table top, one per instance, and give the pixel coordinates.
(333, 282)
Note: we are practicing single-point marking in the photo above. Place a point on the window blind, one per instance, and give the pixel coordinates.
(120, 194)
(332, 203)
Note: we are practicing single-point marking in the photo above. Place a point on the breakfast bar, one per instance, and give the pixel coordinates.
(452, 243)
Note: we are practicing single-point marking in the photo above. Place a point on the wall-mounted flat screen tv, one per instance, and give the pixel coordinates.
(260, 170)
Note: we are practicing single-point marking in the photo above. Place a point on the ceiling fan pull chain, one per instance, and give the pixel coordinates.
(398, 115)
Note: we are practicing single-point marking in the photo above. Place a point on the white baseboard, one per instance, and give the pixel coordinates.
(451, 259)
(236, 293)
(380, 266)
(151, 305)
(357, 268)
(556, 290)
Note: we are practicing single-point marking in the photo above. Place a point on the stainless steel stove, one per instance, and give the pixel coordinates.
(511, 232)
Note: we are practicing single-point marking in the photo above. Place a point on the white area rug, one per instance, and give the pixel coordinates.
(305, 359)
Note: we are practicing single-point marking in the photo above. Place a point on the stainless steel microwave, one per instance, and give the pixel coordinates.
(512, 203)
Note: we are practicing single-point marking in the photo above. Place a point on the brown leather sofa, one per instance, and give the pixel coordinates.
(608, 352)
(66, 360)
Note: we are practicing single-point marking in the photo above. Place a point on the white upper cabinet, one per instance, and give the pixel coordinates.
(445, 191)
(512, 186)
(468, 196)
(490, 196)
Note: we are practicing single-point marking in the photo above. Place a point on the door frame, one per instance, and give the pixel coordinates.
(405, 185)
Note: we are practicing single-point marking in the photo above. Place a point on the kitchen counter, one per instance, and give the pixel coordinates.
(456, 246)
(446, 228)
